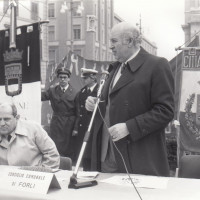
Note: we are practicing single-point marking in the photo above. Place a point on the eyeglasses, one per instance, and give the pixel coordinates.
(63, 77)
(85, 77)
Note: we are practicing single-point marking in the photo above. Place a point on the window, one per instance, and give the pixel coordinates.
(51, 10)
(77, 32)
(77, 52)
(17, 8)
(103, 35)
(51, 33)
(52, 55)
(75, 8)
(34, 11)
(5, 5)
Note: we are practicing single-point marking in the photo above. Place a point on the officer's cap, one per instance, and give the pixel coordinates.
(63, 70)
(87, 72)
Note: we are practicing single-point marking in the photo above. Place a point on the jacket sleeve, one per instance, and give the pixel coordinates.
(77, 112)
(45, 95)
(162, 104)
(47, 147)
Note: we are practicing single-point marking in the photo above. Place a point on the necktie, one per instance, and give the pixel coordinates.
(123, 67)
(63, 89)
(88, 90)
(9, 138)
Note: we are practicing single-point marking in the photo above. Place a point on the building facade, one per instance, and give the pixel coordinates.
(83, 27)
(192, 20)
(80, 26)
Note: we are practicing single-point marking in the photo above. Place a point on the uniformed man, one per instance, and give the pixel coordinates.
(89, 77)
(62, 98)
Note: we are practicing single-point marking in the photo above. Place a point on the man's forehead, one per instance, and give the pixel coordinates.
(115, 36)
(6, 109)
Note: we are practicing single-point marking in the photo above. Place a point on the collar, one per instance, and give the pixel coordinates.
(133, 56)
(20, 129)
(92, 87)
(64, 87)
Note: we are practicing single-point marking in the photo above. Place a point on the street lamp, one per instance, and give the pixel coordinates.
(78, 9)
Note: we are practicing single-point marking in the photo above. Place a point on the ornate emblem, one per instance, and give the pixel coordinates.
(13, 72)
(189, 119)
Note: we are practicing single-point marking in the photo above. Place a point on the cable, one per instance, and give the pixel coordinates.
(121, 157)
(5, 13)
(178, 48)
(30, 11)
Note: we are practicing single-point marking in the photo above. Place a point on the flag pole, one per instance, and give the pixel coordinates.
(13, 24)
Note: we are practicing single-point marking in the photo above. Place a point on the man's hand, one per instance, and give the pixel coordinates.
(90, 103)
(118, 131)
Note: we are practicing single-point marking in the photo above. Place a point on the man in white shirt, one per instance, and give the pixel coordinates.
(24, 142)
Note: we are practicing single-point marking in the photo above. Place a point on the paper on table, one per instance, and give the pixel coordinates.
(87, 175)
(139, 181)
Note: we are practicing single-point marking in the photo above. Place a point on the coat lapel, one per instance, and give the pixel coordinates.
(127, 75)
(113, 68)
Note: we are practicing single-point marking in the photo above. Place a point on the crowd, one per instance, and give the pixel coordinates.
(137, 103)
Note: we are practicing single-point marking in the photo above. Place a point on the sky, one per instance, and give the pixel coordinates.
(161, 21)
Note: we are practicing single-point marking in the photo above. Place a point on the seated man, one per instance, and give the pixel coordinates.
(23, 142)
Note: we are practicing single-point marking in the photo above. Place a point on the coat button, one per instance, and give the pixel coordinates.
(80, 124)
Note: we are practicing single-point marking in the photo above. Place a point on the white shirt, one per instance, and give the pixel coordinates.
(92, 87)
(64, 88)
(117, 76)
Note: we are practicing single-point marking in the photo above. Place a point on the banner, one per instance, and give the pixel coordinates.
(176, 66)
(74, 63)
(189, 108)
(20, 72)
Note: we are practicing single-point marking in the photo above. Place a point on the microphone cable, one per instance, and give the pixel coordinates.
(121, 157)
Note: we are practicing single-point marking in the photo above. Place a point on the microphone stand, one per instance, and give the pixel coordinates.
(73, 179)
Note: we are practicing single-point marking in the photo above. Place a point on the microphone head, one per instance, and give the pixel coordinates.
(104, 75)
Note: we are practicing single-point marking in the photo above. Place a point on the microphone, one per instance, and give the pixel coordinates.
(73, 179)
(104, 76)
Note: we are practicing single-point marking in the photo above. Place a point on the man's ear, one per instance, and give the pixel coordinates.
(131, 42)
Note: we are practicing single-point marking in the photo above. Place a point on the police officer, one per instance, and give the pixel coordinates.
(62, 98)
(89, 77)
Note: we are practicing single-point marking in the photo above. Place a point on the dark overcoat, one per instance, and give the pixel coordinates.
(63, 119)
(83, 118)
(143, 98)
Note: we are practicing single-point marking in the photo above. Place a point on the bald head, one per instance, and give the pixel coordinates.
(125, 41)
(9, 108)
(127, 31)
(8, 118)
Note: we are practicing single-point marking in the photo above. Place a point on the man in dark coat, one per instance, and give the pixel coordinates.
(83, 116)
(62, 98)
(137, 103)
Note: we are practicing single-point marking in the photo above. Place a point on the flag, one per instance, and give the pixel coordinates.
(20, 71)
(74, 63)
(176, 66)
(187, 97)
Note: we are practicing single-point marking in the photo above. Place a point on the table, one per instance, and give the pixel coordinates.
(177, 189)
